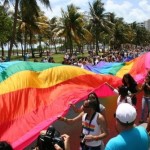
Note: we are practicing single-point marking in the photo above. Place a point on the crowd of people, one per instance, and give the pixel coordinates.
(107, 56)
(94, 120)
(93, 117)
(93, 58)
(95, 125)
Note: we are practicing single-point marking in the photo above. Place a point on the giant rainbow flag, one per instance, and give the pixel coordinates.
(33, 95)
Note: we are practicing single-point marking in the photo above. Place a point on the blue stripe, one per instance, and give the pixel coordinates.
(5, 65)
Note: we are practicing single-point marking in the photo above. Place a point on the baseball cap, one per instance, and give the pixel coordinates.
(126, 113)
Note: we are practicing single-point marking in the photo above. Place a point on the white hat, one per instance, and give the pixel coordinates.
(126, 113)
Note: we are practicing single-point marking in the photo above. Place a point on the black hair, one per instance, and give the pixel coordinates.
(148, 73)
(130, 79)
(94, 102)
(4, 145)
(123, 90)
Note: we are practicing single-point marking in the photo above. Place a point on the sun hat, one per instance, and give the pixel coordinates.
(126, 113)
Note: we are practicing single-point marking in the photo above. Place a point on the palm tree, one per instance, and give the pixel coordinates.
(119, 32)
(36, 26)
(141, 34)
(43, 25)
(71, 26)
(99, 20)
(53, 23)
(32, 4)
(5, 28)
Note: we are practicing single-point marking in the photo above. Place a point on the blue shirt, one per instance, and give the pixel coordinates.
(133, 139)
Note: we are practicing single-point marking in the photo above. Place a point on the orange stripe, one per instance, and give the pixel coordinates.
(15, 104)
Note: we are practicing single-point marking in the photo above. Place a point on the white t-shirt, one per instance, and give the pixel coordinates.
(101, 107)
(91, 129)
(127, 99)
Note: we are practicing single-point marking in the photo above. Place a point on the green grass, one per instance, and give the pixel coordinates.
(58, 58)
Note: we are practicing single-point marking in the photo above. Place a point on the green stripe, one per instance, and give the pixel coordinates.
(115, 69)
(22, 66)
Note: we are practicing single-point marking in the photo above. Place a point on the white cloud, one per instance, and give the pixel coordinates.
(144, 5)
(130, 10)
(58, 5)
(120, 10)
(54, 13)
(111, 5)
(83, 4)
(137, 15)
(56, 10)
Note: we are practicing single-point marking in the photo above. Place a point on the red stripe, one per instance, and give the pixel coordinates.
(26, 112)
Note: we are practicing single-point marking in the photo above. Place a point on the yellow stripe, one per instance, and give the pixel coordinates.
(125, 69)
(44, 79)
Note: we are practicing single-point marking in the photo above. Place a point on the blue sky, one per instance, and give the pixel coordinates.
(130, 10)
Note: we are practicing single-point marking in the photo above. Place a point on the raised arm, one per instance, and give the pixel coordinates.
(76, 109)
(71, 121)
(112, 88)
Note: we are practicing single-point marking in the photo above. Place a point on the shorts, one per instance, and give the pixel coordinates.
(85, 147)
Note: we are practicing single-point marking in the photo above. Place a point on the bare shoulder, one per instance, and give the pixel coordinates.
(100, 118)
(81, 114)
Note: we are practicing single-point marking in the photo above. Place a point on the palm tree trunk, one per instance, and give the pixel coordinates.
(55, 46)
(32, 50)
(17, 51)
(40, 49)
(71, 45)
(25, 45)
(2, 49)
(21, 48)
(66, 44)
(14, 30)
(97, 46)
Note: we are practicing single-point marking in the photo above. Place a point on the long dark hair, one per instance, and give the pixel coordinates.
(4, 145)
(130, 79)
(123, 91)
(94, 101)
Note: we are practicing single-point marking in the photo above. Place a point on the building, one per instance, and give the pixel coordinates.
(141, 24)
(147, 24)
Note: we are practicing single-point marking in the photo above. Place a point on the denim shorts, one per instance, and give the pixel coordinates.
(85, 147)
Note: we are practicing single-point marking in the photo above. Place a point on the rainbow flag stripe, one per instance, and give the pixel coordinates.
(88, 127)
(137, 67)
(33, 95)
